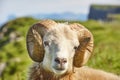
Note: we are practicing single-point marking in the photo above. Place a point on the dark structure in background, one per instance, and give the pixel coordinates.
(103, 12)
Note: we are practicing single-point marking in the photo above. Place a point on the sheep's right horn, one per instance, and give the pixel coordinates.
(34, 39)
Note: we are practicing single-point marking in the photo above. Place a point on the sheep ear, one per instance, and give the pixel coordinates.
(34, 39)
(85, 47)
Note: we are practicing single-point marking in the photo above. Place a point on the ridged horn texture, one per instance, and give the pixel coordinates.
(85, 47)
(34, 39)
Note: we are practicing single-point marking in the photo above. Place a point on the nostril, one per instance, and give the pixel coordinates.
(64, 60)
(57, 60)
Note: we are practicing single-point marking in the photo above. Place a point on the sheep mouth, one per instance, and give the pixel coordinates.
(59, 68)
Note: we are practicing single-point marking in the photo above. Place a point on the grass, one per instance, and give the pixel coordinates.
(107, 47)
(106, 54)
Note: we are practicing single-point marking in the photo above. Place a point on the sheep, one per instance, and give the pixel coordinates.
(60, 51)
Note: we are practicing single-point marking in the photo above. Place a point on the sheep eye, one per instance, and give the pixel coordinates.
(46, 43)
(75, 47)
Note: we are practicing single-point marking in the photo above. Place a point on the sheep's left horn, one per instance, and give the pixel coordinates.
(34, 39)
(85, 47)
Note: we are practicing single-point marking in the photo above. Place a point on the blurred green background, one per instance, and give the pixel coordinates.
(101, 17)
(15, 61)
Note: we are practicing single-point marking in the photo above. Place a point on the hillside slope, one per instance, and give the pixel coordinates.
(13, 53)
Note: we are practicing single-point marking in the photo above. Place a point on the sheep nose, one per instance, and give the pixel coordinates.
(60, 60)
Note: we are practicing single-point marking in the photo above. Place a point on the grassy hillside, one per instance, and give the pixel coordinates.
(14, 55)
(13, 51)
(106, 53)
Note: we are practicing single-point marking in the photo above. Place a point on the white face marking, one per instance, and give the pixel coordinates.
(59, 46)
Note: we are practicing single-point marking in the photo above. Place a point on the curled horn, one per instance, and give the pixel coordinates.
(85, 48)
(34, 39)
